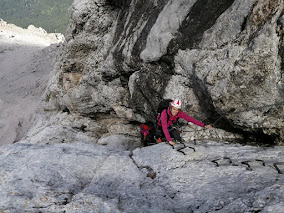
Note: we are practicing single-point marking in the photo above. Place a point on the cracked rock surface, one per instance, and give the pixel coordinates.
(223, 58)
(91, 178)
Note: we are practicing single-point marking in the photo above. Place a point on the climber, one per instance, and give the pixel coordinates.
(167, 122)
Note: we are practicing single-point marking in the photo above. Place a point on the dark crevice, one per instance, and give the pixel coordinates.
(148, 101)
(151, 173)
(244, 24)
(201, 17)
(142, 9)
(280, 32)
(150, 90)
(219, 120)
(66, 110)
(246, 19)
(109, 76)
(81, 128)
(98, 115)
(206, 102)
(139, 107)
(167, 62)
(135, 123)
(121, 4)
(153, 13)
(258, 138)
(124, 78)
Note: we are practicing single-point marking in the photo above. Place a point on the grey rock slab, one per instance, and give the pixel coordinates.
(42, 177)
(193, 179)
(90, 178)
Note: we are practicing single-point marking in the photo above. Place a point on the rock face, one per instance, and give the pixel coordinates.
(90, 178)
(224, 59)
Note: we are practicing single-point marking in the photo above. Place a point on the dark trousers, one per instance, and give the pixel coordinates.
(174, 133)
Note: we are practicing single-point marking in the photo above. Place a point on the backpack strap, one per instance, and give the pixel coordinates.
(159, 119)
(168, 116)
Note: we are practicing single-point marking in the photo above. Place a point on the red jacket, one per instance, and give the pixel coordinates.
(173, 119)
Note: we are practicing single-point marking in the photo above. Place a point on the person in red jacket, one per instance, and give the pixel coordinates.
(168, 120)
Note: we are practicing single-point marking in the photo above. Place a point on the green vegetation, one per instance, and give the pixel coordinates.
(51, 15)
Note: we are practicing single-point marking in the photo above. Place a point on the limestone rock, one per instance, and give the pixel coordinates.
(82, 177)
(224, 60)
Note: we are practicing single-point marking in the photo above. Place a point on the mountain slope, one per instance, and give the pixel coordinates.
(51, 15)
(26, 58)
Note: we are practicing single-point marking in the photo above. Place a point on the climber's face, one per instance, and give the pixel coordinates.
(174, 111)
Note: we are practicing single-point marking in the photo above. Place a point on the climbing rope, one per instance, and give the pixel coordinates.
(230, 161)
(277, 168)
(247, 163)
(247, 110)
(180, 149)
(238, 112)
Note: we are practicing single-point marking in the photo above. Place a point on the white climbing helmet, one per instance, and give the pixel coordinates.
(176, 103)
